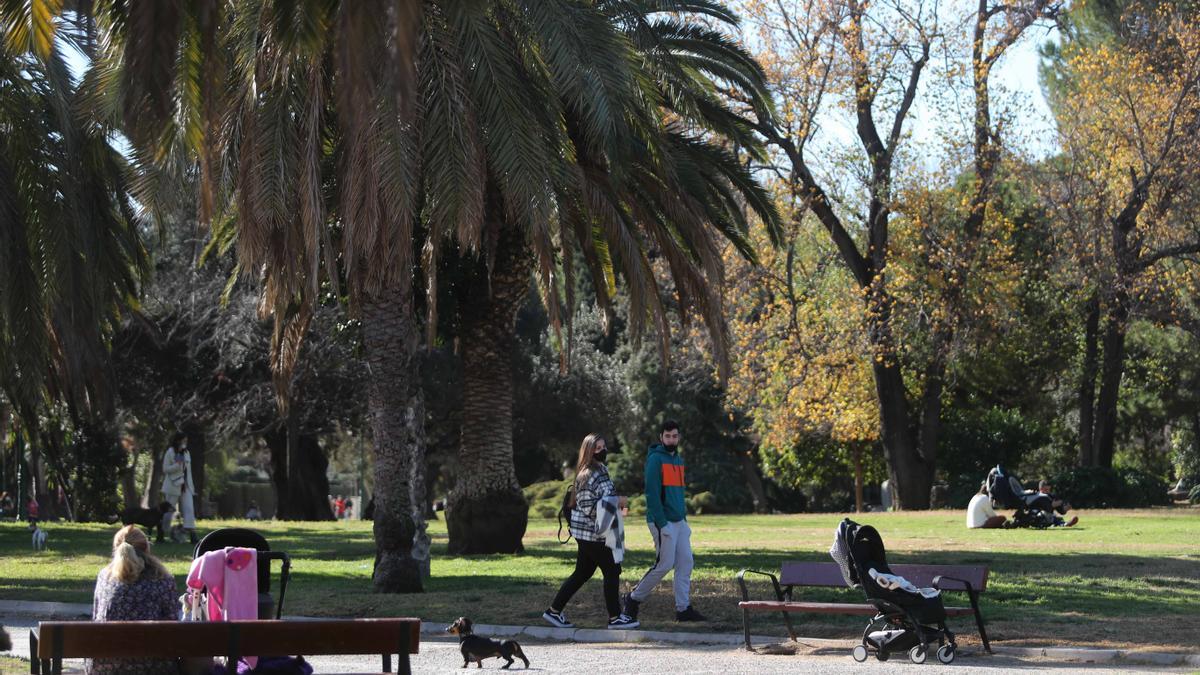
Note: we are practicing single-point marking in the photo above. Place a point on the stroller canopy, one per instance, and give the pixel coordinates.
(1007, 492)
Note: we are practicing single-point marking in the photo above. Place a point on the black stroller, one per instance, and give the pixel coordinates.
(1033, 509)
(907, 621)
(237, 536)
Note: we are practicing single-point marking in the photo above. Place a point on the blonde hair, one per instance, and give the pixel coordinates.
(131, 556)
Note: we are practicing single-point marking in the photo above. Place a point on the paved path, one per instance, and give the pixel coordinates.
(441, 655)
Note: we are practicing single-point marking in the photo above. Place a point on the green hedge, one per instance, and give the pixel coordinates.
(1097, 487)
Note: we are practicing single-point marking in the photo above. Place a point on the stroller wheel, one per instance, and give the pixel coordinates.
(859, 653)
(945, 653)
(882, 655)
(917, 654)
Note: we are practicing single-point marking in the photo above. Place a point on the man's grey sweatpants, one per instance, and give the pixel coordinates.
(674, 547)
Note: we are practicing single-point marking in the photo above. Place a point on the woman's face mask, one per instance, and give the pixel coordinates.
(601, 455)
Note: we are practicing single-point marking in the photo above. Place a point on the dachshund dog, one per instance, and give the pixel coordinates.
(150, 519)
(476, 648)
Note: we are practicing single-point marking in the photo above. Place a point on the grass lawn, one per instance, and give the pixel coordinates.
(1120, 578)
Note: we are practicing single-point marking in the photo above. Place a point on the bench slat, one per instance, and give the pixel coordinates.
(116, 639)
(827, 574)
(827, 607)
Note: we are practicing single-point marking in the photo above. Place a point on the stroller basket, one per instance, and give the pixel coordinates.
(243, 538)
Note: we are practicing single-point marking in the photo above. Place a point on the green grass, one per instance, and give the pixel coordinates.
(1121, 578)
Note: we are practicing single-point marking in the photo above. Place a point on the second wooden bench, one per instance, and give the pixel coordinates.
(969, 578)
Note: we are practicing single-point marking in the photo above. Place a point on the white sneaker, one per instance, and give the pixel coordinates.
(623, 622)
(557, 619)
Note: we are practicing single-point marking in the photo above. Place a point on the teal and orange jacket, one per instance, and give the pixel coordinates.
(664, 487)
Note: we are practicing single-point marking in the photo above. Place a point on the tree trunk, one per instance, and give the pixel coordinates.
(153, 494)
(391, 342)
(198, 449)
(130, 497)
(486, 511)
(1087, 384)
(1113, 365)
(303, 492)
(858, 480)
(758, 494)
(911, 477)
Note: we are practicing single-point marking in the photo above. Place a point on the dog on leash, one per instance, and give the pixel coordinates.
(476, 648)
(150, 519)
(39, 537)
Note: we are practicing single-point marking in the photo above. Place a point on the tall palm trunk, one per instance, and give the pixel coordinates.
(397, 412)
(487, 513)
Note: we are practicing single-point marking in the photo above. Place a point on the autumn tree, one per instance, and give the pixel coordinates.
(1125, 189)
(870, 59)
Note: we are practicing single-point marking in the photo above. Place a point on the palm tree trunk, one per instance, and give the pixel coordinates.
(391, 339)
(487, 513)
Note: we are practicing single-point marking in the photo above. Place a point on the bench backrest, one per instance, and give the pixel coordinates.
(828, 574)
(117, 639)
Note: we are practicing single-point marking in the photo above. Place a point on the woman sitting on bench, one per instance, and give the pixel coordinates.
(135, 586)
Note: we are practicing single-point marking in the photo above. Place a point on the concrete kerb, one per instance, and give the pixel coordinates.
(63, 610)
(600, 635)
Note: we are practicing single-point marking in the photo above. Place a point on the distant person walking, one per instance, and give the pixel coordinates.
(666, 516)
(177, 486)
(593, 487)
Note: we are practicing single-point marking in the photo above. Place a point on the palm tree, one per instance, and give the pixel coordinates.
(601, 128)
(71, 255)
(297, 117)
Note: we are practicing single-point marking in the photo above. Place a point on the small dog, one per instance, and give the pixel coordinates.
(476, 648)
(39, 537)
(149, 519)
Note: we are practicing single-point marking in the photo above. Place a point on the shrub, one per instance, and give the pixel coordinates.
(545, 498)
(1099, 487)
(1090, 487)
(704, 502)
(1143, 489)
(1194, 495)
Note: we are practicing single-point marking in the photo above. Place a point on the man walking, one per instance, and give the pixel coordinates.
(666, 516)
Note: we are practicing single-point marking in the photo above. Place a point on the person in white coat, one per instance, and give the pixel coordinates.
(177, 487)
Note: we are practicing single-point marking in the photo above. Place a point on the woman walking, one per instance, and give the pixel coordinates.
(593, 489)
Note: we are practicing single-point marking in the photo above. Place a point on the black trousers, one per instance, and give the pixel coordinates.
(592, 554)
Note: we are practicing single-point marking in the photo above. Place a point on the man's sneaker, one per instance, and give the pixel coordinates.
(557, 619)
(623, 622)
(689, 614)
(631, 606)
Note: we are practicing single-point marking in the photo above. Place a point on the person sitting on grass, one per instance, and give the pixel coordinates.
(1059, 505)
(980, 513)
(135, 586)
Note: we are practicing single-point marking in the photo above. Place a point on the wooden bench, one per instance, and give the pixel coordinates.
(969, 578)
(51, 642)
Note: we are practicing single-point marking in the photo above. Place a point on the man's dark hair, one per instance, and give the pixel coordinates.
(176, 438)
(669, 425)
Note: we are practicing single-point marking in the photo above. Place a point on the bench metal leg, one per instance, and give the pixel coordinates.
(405, 667)
(387, 663)
(987, 646)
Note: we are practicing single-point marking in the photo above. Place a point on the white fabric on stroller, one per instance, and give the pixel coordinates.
(894, 582)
